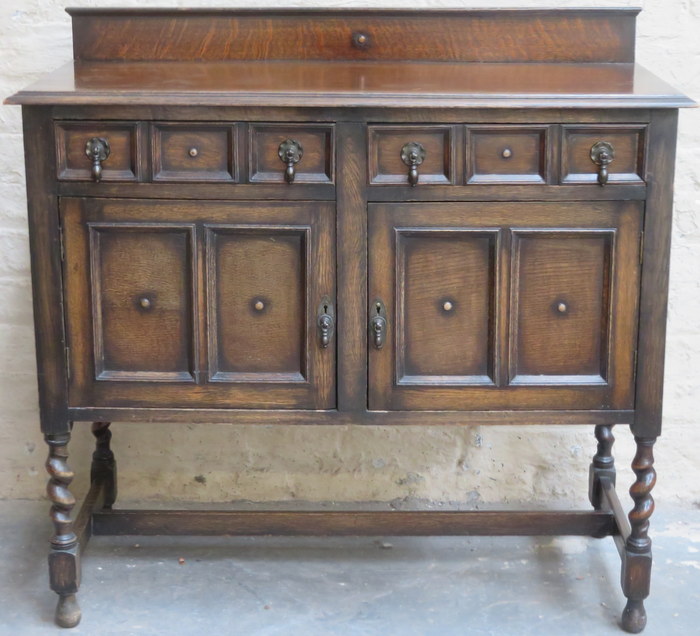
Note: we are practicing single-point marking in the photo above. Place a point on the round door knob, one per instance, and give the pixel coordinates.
(447, 305)
(145, 303)
(259, 305)
(507, 153)
(562, 308)
(193, 152)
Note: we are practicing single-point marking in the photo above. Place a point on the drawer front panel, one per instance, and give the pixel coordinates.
(316, 163)
(193, 152)
(628, 145)
(204, 304)
(507, 154)
(124, 141)
(502, 305)
(386, 144)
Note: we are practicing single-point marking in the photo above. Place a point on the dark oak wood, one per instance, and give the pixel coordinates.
(352, 414)
(602, 466)
(653, 300)
(515, 348)
(508, 154)
(354, 523)
(636, 566)
(165, 326)
(352, 218)
(458, 35)
(64, 555)
(354, 84)
(194, 152)
(627, 141)
(384, 154)
(317, 164)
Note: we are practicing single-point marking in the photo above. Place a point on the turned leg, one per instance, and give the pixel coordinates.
(603, 464)
(64, 556)
(636, 566)
(104, 466)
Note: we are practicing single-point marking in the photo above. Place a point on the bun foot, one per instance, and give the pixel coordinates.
(68, 611)
(634, 617)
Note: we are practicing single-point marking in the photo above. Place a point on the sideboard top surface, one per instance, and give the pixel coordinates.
(449, 58)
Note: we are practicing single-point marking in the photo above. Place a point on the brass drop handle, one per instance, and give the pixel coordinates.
(377, 324)
(290, 153)
(602, 154)
(97, 150)
(326, 321)
(413, 154)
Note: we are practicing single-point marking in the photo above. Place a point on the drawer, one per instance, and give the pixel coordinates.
(390, 149)
(194, 152)
(292, 153)
(507, 154)
(578, 156)
(119, 150)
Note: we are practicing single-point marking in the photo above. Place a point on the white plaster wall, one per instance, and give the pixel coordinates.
(442, 464)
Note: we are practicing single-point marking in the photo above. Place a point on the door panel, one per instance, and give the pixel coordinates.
(561, 306)
(141, 291)
(215, 302)
(257, 303)
(444, 318)
(504, 305)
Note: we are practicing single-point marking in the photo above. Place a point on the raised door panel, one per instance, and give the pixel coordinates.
(561, 306)
(142, 301)
(504, 305)
(257, 303)
(444, 315)
(177, 304)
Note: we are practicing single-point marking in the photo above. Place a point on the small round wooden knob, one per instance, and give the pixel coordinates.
(145, 302)
(193, 152)
(507, 153)
(259, 305)
(561, 308)
(447, 305)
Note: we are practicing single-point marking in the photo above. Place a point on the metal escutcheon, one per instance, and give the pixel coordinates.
(326, 321)
(377, 324)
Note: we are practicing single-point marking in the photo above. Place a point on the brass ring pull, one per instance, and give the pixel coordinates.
(413, 154)
(602, 154)
(97, 150)
(290, 153)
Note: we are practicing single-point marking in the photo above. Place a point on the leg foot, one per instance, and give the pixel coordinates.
(68, 611)
(64, 554)
(636, 561)
(634, 617)
(104, 466)
(603, 464)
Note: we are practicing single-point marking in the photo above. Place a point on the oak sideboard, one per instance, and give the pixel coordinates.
(354, 217)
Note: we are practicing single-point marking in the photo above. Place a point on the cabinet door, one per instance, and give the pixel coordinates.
(504, 305)
(198, 304)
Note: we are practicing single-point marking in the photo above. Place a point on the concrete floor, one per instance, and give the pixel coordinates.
(347, 586)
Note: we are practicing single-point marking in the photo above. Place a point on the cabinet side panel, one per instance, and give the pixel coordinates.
(44, 240)
(655, 268)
